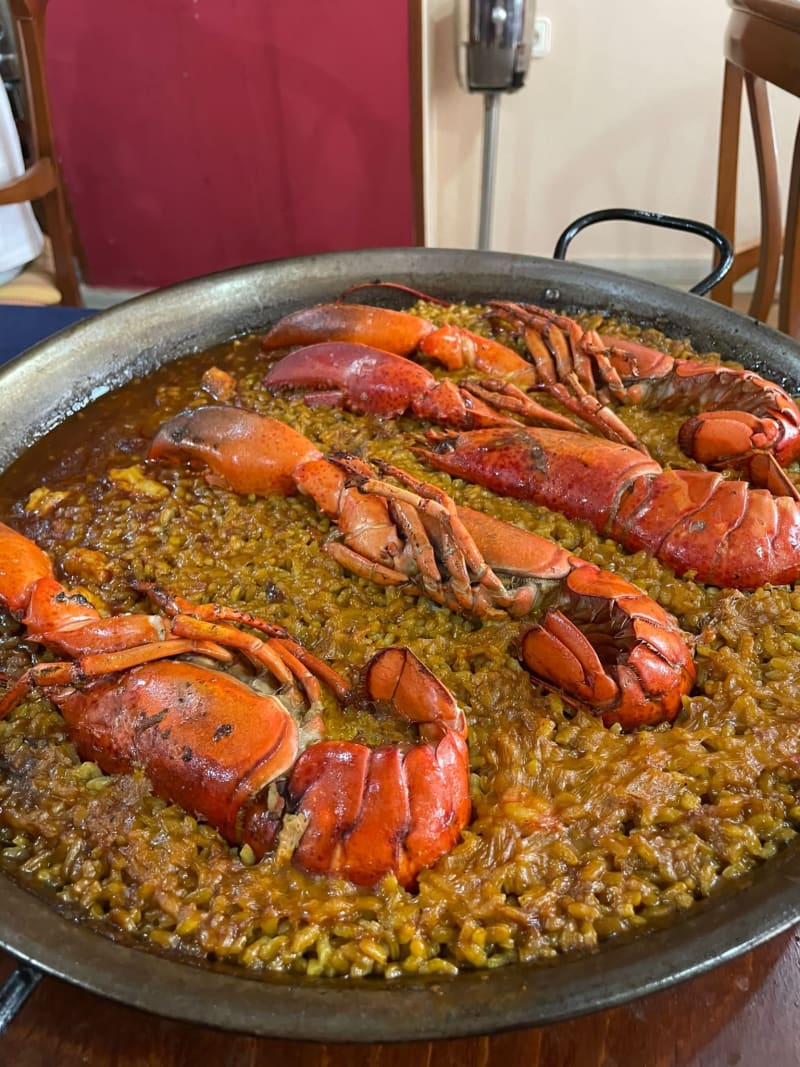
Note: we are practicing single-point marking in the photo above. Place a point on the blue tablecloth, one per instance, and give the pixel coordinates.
(21, 327)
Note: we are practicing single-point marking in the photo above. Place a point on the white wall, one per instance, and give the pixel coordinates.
(623, 112)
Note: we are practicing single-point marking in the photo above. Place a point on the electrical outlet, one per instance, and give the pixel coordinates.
(542, 37)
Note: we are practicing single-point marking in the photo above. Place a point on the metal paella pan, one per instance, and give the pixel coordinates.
(60, 376)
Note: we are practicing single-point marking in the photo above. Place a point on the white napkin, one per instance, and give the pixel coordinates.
(20, 237)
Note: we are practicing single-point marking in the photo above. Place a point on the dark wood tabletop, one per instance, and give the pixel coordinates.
(743, 1013)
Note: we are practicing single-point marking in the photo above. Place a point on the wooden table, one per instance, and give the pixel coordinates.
(744, 1013)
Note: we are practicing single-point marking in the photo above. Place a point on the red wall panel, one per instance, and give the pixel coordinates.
(197, 135)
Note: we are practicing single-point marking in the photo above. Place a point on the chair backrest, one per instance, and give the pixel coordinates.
(42, 181)
(762, 49)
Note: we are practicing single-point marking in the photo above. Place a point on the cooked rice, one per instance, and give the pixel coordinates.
(580, 833)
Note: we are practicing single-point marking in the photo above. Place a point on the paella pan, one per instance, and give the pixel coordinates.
(168, 325)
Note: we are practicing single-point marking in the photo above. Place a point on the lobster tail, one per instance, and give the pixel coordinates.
(617, 652)
(393, 808)
(723, 531)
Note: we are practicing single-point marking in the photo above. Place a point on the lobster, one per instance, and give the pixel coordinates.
(230, 751)
(399, 333)
(746, 423)
(601, 643)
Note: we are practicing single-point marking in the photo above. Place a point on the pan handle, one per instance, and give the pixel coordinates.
(17, 988)
(654, 218)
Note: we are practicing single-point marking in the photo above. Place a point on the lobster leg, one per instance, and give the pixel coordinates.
(303, 665)
(567, 362)
(74, 672)
(67, 624)
(449, 565)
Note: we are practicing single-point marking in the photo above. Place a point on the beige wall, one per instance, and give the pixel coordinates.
(624, 111)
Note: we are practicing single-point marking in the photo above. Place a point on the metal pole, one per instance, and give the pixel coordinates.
(491, 116)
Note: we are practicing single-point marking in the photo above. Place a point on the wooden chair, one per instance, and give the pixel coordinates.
(41, 183)
(762, 47)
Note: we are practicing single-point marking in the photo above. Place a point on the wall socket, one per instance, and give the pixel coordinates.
(542, 37)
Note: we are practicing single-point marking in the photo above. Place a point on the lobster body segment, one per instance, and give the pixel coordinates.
(586, 475)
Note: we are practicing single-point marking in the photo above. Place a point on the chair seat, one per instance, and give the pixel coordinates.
(35, 285)
(784, 12)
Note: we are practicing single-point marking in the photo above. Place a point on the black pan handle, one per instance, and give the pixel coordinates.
(654, 218)
(17, 988)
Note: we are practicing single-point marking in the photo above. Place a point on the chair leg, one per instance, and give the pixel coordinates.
(725, 217)
(771, 229)
(789, 305)
(56, 225)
